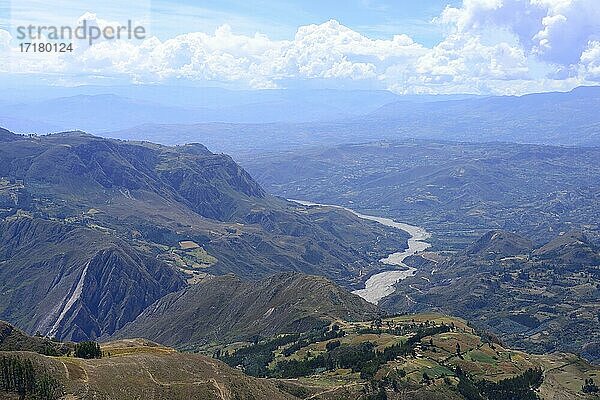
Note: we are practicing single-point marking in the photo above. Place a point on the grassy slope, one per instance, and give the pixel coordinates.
(13, 339)
(138, 369)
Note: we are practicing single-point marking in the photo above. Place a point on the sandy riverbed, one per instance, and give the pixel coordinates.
(381, 285)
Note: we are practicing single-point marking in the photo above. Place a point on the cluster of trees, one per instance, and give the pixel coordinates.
(362, 358)
(378, 327)
(17, 375)
(88, 350)
(520, 387)
(355, 357)
(334, 344)
(321, 336)
(255, 359)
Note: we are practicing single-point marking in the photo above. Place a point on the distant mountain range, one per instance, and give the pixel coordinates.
(547, 118)
(98, 110)
(246, 122)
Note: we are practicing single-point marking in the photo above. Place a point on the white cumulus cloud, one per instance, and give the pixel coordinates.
(492, 46)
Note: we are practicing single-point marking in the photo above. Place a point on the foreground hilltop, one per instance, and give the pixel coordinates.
(93, 230)
(136, 369)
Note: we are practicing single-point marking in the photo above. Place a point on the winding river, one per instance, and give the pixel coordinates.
(381, 285)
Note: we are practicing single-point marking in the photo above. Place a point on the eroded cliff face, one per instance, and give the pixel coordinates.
(75, 283)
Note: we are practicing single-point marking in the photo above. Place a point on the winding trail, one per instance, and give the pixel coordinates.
(212, 381)
(381, 285)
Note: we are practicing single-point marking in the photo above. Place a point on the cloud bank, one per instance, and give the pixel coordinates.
(491, 46)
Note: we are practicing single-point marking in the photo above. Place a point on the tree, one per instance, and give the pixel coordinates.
(590, 386)
(426, 378)
(332, 345)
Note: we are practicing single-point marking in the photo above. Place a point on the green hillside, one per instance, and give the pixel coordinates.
(425, 356)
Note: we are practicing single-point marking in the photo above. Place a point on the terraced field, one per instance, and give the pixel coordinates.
(446, 351)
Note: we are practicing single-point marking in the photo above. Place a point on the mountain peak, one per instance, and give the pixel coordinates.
(572, 247)
(500, 243)
(74, 133)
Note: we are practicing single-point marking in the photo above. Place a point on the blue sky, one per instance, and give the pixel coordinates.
(426, 46)
(277, 19)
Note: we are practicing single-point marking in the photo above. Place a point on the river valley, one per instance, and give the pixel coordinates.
(382, 284)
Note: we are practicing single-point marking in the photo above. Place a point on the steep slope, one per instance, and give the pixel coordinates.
(225, 308)
(542, 300)
(6, 136)
(12, 339)
(95, 230)
(75, 282)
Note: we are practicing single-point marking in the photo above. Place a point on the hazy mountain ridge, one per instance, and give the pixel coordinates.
(545, 118)
(541, 118)
(101, 109)
(457, 191)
